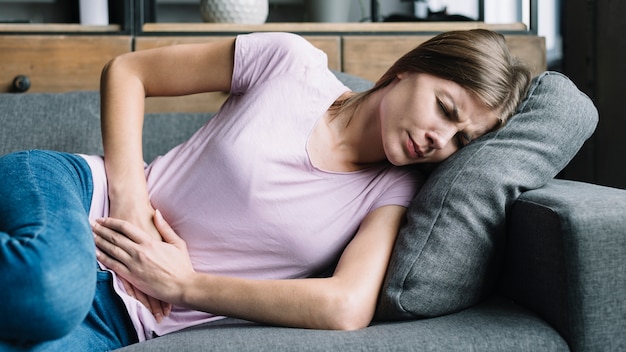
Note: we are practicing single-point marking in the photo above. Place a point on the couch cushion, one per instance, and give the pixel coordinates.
(446, 257)
(495, 325)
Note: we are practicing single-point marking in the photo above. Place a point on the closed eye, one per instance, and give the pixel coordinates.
(443, 109)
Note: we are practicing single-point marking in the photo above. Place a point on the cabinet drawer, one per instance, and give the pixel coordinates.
(208, 102)
(370, 56)
(58, 63)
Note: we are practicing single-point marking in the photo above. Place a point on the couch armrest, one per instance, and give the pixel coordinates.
(566, 260)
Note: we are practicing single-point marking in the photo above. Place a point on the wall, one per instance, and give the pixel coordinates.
(594, 57)
(39, 11)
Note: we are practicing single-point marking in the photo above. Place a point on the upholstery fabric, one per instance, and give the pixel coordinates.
(491, 326)
(446, 257)
(70, 122)
(36, 121)
(570, 279)
(164, 131)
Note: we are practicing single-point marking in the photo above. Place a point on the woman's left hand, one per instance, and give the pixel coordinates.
(158, 268)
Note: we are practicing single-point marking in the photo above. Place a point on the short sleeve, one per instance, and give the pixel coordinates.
(407, 181)
(260, 57)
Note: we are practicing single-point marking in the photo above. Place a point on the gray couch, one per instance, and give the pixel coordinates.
(561, 282)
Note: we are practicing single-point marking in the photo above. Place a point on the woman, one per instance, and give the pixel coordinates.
(294, 173)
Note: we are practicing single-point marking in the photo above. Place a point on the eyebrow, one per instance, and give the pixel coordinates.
(479, 132)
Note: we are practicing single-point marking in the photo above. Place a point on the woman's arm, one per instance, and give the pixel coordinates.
(125, 83)
(345, 301)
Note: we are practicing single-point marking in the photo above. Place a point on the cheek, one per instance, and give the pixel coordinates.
(393, 150)
(445, 153)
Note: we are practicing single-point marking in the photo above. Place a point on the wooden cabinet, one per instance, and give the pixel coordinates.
(57, 63)
(370, 56)
(65, 62)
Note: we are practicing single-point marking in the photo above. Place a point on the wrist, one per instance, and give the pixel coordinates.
(193, 292)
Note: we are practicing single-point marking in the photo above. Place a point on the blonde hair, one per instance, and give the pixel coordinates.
(478, 60)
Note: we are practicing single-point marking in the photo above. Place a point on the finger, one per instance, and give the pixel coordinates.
(130, 289)
(109, 250)
(156, 308)
(125, 228)
(142, 298)
(166, 307)
(154, 305)
(112, 235)
(165, 229)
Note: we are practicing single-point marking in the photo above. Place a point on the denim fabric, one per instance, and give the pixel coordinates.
(48, 269)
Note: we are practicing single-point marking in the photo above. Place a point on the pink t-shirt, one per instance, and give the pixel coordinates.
(242, 191)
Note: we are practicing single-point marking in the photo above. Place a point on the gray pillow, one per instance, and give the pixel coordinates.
(446, 256)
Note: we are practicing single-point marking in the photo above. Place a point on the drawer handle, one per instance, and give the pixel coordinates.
(21, 84)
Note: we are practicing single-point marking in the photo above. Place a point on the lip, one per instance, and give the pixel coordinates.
(414, 149)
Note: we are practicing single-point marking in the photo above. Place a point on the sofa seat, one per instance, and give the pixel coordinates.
(498, 324)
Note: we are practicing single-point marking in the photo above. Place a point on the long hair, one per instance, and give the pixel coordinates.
(478, 60)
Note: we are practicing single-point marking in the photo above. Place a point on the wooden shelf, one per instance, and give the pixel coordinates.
(63, 57)
(57, 28)
(329, 28)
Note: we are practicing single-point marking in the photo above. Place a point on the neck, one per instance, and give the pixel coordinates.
(357, 133)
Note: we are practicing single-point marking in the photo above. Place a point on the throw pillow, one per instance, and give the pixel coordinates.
(446, 256)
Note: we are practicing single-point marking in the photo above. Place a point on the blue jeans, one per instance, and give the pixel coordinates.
(53, 297)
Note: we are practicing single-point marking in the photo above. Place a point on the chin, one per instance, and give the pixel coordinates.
(403, 161)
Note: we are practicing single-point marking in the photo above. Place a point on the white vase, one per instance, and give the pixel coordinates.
(234, 11)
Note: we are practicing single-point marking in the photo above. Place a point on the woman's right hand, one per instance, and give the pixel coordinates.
(158, 308)
(144, 219)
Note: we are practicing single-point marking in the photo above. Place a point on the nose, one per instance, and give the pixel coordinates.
(439, 139)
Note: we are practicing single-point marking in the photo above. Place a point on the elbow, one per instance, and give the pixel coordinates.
(109, 68)
(119, 72)
(349, 312)
(108, 73)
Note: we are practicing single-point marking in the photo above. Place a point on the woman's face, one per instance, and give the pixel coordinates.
(425, 118)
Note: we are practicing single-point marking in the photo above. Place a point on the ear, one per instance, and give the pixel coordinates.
(402, 75)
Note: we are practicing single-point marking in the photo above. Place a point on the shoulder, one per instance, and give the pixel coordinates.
(262, 57)
(398, 185)
(405, 174)
(279, 46)
(281, 40)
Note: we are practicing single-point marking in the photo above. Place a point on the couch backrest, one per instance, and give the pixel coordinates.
(70, 122)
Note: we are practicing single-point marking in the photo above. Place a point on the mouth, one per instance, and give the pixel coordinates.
(414, 149)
